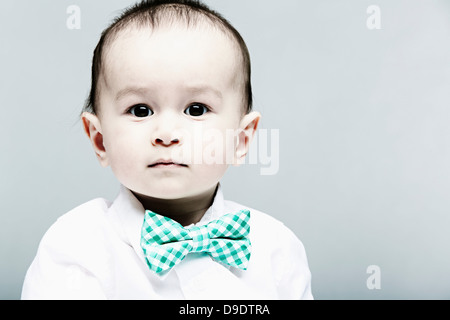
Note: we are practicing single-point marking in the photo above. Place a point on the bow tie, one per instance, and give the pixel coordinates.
(165, 242)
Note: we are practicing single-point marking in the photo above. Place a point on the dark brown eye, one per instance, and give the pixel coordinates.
(196, 110)
(140, 110)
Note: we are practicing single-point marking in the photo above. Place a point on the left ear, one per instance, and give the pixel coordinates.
(247, 129)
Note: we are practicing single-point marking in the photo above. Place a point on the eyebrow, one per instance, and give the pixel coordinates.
(130, 90)
(204, 89)
(191, 89)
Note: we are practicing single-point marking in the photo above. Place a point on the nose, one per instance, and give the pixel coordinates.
(165, 142)
(166, 129)
(166, 134)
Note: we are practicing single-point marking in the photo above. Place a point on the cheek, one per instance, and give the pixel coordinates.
(206, 145)
(219, 147)
(208, 175)
(218, 144)
(123, 148)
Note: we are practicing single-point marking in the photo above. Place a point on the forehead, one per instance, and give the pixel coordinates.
(173, 56)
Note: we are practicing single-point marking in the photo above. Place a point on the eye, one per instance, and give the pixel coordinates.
(140, 111)
(196, 109)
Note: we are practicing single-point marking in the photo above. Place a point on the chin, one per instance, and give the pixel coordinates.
(167, 192)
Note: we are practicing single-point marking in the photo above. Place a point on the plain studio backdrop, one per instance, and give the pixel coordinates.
(355, 98)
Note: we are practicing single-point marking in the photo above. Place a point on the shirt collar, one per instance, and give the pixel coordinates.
(129, 213)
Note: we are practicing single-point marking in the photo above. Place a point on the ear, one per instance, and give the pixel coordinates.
(247, 129)
(93, 130)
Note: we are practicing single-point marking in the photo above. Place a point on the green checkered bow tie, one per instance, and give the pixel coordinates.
(165, 242)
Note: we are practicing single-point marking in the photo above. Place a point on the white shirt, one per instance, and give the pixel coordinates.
(94, 252)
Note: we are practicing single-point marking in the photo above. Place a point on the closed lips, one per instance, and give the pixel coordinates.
(167, 163)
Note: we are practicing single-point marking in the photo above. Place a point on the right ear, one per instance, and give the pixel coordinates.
(93, 130)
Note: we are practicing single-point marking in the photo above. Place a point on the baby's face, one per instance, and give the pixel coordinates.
(169, 102)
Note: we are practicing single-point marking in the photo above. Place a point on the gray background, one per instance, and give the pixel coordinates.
(363, 117)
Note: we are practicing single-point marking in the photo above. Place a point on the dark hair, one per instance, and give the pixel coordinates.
(152, 13)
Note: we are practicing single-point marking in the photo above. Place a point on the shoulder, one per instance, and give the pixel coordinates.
(276, 248)
(82, 218)
(78, 231)
(71, 258)
(91, 210)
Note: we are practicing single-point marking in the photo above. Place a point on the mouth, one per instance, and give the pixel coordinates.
(166, 164)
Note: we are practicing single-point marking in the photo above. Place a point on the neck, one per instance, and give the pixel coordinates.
(184, 210)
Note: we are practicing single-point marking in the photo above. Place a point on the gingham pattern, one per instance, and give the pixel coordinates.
(165, 242)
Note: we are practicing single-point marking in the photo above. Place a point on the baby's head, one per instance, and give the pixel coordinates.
(170, 101)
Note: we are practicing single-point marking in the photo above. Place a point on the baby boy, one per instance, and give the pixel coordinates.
(170, 109)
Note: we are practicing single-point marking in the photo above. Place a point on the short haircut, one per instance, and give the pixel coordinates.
(153, 13)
